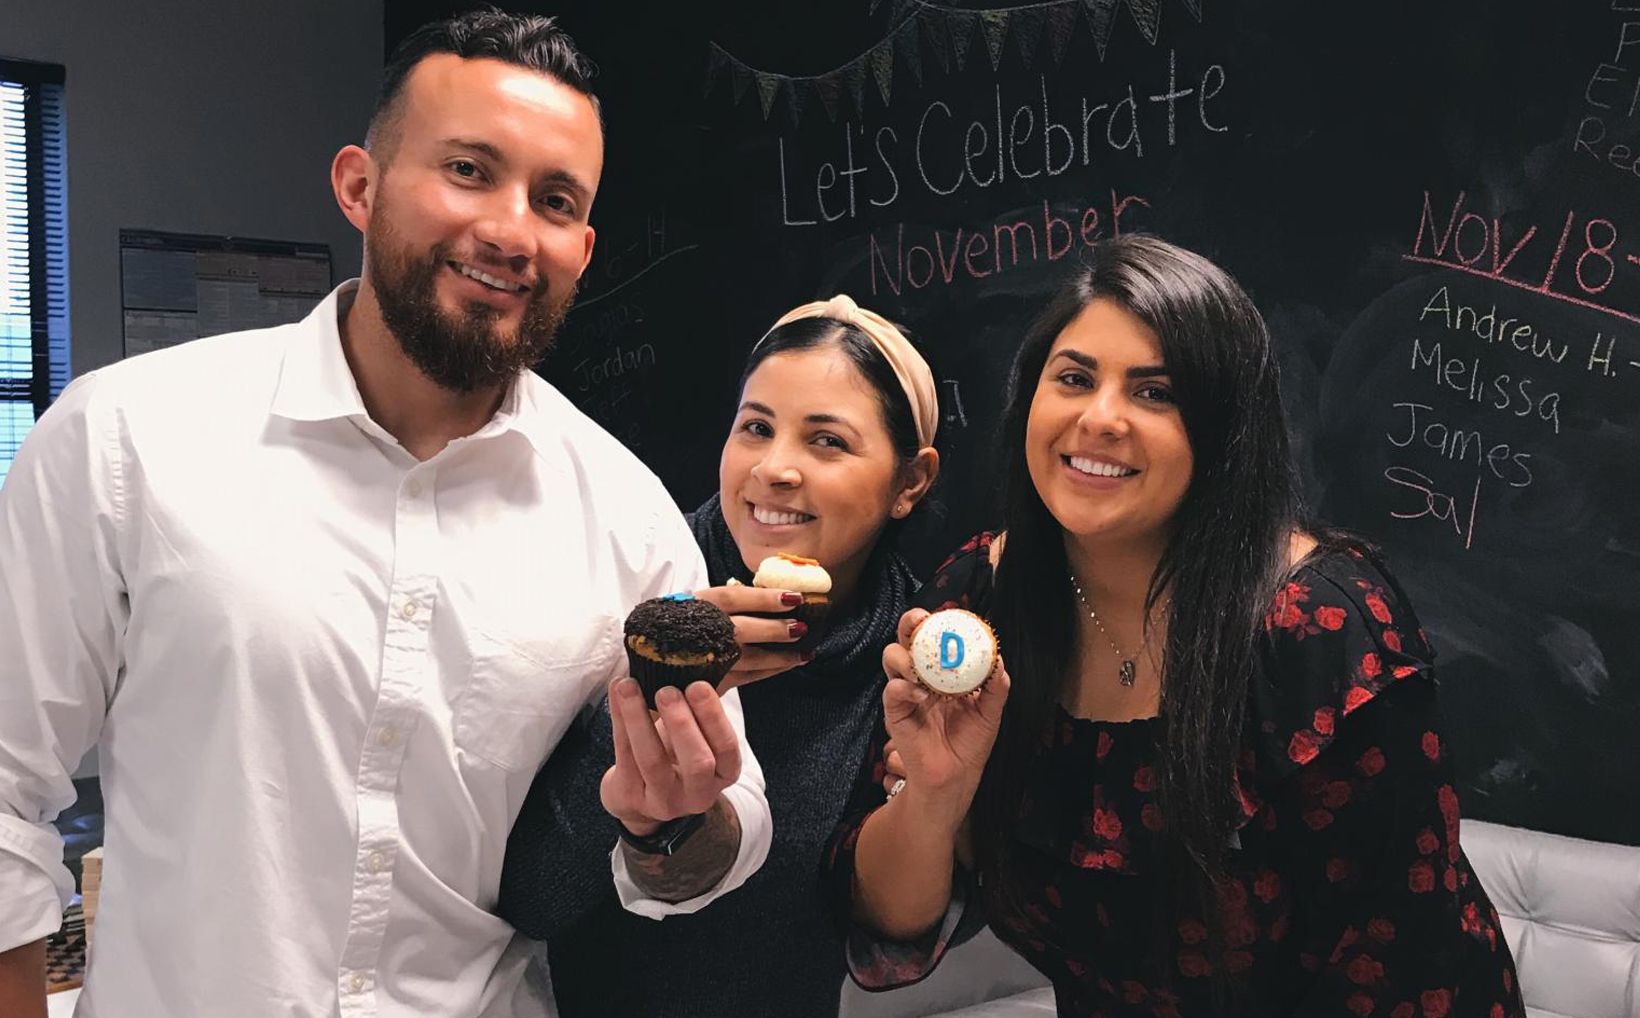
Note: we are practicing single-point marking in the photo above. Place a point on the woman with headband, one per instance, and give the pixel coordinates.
(830, 449)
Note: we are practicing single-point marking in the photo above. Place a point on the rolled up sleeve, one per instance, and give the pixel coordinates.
(751, 806)
(682, 568)
(62, 622)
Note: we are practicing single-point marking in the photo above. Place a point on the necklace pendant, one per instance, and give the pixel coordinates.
(1128, 672)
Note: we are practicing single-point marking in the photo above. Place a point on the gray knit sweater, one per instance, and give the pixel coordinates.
(772, 947)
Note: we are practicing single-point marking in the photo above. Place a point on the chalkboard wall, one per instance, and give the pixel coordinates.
(1436, 205)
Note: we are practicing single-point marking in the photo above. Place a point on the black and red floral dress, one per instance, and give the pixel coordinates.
(1347, 893)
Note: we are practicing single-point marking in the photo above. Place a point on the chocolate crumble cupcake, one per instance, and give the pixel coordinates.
(678, 639)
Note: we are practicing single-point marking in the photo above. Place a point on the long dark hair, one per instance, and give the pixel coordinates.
(1225, 556)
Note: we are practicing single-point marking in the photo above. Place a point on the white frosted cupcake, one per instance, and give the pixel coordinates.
(806, 576)
(953, 651)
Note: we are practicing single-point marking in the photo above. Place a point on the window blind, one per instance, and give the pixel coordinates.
(34, 333)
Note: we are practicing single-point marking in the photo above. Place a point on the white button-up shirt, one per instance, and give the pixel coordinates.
(321, 674)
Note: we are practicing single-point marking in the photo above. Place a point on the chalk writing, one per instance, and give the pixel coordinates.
(1584, 269)
(1515, 332)
(952, 403)
(1458, 445)
(1496, 391)
(1430, 426)
(1601, 354)
(620, 261)
(589, 372)
(1612, 97)
(608, 323)
(1434, 504)
(970, 253)
(604, 405)
(1015, 139)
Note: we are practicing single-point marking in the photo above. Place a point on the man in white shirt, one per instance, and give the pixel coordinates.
(325, 596)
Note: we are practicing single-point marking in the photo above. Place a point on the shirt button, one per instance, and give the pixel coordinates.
(376, 861)
(355, 982)
(413, 489)
(388, 736)
(409, 609)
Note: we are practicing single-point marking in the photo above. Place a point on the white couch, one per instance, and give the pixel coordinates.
(1570, 908)
(1571, 914)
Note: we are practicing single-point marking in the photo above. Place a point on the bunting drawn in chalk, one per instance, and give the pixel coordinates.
(946, 33)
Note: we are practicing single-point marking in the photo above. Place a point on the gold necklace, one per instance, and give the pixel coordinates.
(1129, 670)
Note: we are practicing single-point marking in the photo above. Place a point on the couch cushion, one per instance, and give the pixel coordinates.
(1030, 1004)
(1571, 914)
(981, 972)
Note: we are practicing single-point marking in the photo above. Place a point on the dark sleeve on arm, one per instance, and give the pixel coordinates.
(876, 963)
(1411, 926)
(557, 867)
(1368, 805)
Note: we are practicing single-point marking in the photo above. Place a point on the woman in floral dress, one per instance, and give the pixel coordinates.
(1219, 783)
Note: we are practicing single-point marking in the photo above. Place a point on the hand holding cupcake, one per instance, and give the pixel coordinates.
(778, 620)
(806, 577)
(679, 647)
(943, 705)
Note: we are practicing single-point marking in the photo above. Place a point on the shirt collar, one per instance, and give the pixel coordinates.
(316, 383)
(531, 408)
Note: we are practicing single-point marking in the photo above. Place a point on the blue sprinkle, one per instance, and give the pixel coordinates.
(679, 596)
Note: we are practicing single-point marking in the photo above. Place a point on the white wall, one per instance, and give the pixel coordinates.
(198, 116)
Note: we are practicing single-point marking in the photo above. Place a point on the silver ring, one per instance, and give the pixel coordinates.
(895, 788)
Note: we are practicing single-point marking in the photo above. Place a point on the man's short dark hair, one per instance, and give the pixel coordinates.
(532, 41)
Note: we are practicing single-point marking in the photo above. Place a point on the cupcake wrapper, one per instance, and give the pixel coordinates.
(653, 676)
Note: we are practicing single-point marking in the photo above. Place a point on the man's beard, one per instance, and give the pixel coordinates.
(463, 351)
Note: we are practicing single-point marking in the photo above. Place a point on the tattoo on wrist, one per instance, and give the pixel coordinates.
(698, 865)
